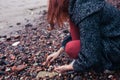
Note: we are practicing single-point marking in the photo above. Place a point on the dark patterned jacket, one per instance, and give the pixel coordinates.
(99, 25)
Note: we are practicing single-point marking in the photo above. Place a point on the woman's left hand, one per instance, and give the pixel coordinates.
(64, 68)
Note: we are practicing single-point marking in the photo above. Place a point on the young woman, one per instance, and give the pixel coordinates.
(94, 42)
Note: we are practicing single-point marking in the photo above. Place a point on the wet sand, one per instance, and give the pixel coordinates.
(14, 12)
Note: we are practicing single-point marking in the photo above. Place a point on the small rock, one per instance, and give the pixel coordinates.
(2, 39)
(21, 78)
(18, 23)
(28, 25)
(19, 67)
(60, 75)
(16, 43)
(65, 31)
(2, 72)
(110, 76)
(10, 26)
(3, 57)
(2, 68)
(8, 38)
(8, 69)
(35, 64)
(108, 72)
(12, 56)
(3, 62)
(77, 78)
(16, 36)
(4, 36)
(44, 12)
(34, 28)
(43, 74)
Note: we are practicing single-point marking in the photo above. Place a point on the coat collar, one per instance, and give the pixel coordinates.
(80, 9)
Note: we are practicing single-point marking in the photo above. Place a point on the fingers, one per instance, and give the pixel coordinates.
(48, 59)
(52, 59)
(59, 69)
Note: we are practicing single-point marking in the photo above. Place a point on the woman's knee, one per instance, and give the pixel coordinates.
(68, 48)
(72, 48)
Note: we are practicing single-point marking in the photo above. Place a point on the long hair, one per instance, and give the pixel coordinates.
(57, 12)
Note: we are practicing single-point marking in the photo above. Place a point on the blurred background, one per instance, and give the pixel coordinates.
(18, 11)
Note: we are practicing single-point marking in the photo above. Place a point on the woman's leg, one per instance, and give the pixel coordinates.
(74, 30)
(73, 48)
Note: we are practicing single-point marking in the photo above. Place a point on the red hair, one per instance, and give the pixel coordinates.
(57, 12)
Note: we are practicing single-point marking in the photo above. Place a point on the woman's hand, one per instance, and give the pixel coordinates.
(53, 56)
(64, 68)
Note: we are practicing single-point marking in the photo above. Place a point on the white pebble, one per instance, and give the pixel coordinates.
(110, 76)
(16, 43)
(8, 69)
(60, 74)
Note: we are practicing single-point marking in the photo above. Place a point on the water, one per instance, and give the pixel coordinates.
(13, 11)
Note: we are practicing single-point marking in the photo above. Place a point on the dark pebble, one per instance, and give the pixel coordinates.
(8, 39)
(28, 25)
(18, 23)
(3, 57)
(2, 68)
(4, 36)
(65, 31)
(44, 12)
(2, 72)
(34, 28)
(10, 26)
(3, 62)
(77, 78)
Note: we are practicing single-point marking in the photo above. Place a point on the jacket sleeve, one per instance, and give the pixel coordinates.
(90, 37)
(66, 40)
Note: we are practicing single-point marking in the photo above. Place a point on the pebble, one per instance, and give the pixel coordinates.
(35, 64)
(18, 23)
(3, 62)
(2, 39)
(59, 74)
(16, 43)
(10, 26)
(44, 12)
(28, 25)
(2, 72)
(8, 69)
(19, 67)
(12, 56)
(110, 76)
(65, 31)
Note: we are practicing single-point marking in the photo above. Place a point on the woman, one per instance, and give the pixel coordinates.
(95, 34)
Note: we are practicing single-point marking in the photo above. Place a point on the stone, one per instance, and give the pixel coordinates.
(19, 67)
(43, 74)
(8, 69)
(110, 76)
(28, 25)
(18, 23)
(16, 43)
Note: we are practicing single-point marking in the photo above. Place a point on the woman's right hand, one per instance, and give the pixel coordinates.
(52, 57)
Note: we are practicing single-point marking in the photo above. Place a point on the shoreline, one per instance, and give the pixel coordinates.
(16, 14)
